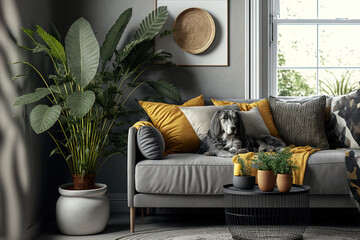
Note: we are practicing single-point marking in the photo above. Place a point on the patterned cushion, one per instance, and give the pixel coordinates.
(353, 174)
(301, 124)
(345, 119)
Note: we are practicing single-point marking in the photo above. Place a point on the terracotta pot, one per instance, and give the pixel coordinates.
(84, 183)
(284, 182)
(244, 182)
(266, 180)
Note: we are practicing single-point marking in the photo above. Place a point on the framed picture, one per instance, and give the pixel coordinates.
(216, 51)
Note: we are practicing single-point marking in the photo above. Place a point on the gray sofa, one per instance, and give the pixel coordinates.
(190, 180)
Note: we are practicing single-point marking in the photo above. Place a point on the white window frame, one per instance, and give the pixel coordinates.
(254, 49)
(273, 34)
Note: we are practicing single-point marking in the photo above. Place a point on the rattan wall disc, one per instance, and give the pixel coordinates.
(194, 30)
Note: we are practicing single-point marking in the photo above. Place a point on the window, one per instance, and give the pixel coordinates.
(315, 47)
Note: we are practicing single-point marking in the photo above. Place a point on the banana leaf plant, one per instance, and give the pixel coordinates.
(89, 87)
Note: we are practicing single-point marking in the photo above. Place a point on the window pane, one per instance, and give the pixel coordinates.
(339, 45)
(297, 9)
(338, 81)
(296, 82)
(297, 46)
(331, 9)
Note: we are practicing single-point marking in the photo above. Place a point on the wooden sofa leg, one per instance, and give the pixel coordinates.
(132, 219)
(148, 211)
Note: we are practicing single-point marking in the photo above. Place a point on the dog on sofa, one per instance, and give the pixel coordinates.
(227, 137)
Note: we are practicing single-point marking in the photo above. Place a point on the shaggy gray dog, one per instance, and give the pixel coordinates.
(227, 137)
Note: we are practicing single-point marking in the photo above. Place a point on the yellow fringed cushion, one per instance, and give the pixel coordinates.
(178, 134)
(264, 109)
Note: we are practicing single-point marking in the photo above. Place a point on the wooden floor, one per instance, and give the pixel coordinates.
(162, 219)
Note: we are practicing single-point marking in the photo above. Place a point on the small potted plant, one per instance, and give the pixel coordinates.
(284, 166)
(266, 177)
(242, 174)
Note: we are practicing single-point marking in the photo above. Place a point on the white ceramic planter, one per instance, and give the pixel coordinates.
(82, 212)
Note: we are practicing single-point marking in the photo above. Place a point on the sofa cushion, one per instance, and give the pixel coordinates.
(173, 125)
(301, 124)
(190, 173)
(150, 142)
(326, 172)
(253, 122)
(345, 119)
(200, 117)
(248, 104)
(139, 124)
(184, 173)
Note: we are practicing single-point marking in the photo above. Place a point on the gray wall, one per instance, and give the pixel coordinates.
(23, 155)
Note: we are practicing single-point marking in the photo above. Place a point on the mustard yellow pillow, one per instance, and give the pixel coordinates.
(178, 134)
(264, 109)
(139, 124)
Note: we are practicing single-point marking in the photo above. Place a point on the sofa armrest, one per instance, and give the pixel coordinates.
(131, 161)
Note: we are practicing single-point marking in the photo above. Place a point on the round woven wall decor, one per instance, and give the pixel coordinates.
(194, 30)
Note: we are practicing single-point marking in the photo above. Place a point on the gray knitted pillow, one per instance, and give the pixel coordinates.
(150, 142)
(300, 124)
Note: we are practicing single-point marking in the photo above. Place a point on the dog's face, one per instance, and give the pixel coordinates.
(229, 121)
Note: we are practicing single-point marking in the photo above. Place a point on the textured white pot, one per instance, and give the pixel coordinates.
(82, 212)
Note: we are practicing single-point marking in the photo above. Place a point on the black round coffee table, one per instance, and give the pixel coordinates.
(253, 214)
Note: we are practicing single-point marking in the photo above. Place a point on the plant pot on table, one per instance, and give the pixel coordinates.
(266, 180)
(244, 182)
(284, 182)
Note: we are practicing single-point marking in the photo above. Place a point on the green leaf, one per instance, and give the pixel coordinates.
(82, 51)
(40, 48)
(166, 33)
(56, 48)
(64, 89)
(148, 29)
(29, 32)
(80, 103)
(166, 89)
(128, 48)
(43, 117)
(17, 77)
(54, 31)
(152, 24)
(114, 35)
(32, 97)
(139, 54)
(54, 151)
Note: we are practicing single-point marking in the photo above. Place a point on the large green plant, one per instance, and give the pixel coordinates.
(86, 103)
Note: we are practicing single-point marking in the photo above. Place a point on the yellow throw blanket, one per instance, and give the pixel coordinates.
(300, 156)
